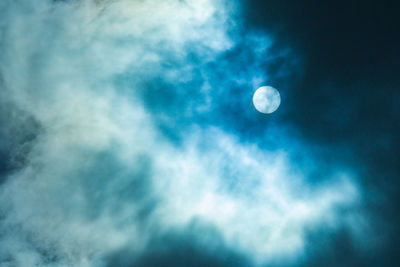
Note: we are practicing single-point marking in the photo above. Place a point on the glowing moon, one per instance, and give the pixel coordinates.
(266, 99)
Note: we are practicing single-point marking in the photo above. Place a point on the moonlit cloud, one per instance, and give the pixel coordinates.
(106, 82)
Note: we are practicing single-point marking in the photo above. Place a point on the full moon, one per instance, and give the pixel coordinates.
(266, 99)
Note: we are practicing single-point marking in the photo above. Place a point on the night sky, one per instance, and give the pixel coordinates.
(128, 136)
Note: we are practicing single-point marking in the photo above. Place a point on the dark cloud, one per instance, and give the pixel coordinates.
(180, 248)
(17, 137)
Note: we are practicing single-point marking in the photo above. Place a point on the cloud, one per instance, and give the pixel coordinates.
(105, 82)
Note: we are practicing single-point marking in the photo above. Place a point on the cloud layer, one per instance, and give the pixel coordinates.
(128, 126)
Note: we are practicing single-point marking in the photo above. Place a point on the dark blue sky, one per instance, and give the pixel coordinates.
(346, 99)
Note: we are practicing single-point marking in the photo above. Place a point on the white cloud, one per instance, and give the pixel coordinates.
(79, 197)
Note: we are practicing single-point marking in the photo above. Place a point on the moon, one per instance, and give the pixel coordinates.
(266, 99)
